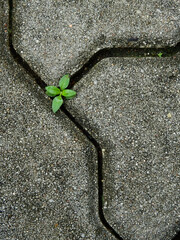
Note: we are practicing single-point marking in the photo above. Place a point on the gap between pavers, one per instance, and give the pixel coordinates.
(131, 107)
(58, 37)
(48, 169)
(38, 70)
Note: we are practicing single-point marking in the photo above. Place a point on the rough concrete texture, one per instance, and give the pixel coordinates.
(131, 106)
(58, 36)
(48, 168)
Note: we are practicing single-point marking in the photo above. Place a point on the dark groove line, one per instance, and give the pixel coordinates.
(121, 52)
(100, 171)
(177, 237)
(98, 56)
(17, 57)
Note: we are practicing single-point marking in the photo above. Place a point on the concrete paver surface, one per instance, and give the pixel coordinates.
(131, 107)
(49, 172)
(57, 37)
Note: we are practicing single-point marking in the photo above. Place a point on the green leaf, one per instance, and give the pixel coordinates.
(56, 103)
(64, 82)
(50, 95)
(160, 54)
(67, 93)
(53, 90)
(69, 98)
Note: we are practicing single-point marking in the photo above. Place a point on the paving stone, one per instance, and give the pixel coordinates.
(48, 170)
(58, 36)
(131, 106)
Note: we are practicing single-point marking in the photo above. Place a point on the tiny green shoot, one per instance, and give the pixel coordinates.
(9, 30)
(59, 93)
(160, 54)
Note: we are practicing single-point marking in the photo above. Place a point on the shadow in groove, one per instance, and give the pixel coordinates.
(98, 56)
(121, 52)
(177, 237)
(100, 173)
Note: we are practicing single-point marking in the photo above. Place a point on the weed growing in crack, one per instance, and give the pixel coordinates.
(53, 91)
(160, 54)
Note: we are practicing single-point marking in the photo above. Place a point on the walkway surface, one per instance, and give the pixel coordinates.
(106, 166)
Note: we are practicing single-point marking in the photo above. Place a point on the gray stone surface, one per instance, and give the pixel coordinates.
(57, 36)
(131, 106)
(48, 171)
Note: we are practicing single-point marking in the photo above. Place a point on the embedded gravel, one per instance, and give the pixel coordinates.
(57, 37)
(131, 106)
(49, 169)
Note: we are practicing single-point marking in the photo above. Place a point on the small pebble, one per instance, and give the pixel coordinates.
(169, 115)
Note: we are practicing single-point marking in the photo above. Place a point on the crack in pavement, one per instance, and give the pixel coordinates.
(97, 57)
(121, 52)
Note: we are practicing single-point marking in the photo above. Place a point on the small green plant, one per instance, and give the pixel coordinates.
(160, 54)
(53, 91)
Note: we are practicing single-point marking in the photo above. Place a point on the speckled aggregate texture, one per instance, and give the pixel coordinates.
(131, 106)
(58, 36)
(48, 171)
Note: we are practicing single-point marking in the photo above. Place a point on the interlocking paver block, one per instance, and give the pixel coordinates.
(58, 36)
(131, 106)
(48, 168)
